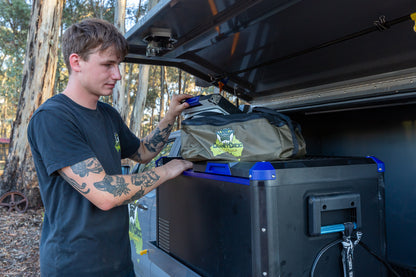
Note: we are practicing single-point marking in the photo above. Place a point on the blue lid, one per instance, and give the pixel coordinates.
(262, 171)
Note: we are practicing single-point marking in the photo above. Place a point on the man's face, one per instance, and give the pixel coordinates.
(100, 72)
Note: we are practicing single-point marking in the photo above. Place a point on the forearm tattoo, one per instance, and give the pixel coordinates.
(158, 138)
(115, 185)
(144, 180)
(136, 156)
(73, 183)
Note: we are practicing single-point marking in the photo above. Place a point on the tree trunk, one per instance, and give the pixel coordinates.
(162, 93)
(119, 94)
(152, 120)
(179, 92)
(168, 93)
(140, 101)
(129, 77)
(179, 80)
(185, 79)
(37, 86)
(141, 94)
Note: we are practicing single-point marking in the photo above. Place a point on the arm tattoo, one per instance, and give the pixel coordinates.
(84, 168)
(144, 180)
(115, 185)
(135, 197)
(158, 138)
(136, 156)
(73, 183)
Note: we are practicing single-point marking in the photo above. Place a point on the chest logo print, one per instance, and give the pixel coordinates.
(117, 142)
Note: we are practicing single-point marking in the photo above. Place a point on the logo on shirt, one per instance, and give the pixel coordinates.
(117, 142)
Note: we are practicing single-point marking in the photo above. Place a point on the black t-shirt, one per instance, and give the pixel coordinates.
(78, 239)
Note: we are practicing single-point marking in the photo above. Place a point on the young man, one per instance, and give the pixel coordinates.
(77, 144)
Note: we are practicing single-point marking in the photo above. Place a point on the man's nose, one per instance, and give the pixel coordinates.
(116, 72)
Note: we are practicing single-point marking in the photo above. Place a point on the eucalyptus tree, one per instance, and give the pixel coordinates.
(119, 93)
(37, 86)
(142, 88)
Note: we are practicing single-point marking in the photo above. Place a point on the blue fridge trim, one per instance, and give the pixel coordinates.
(380, 164)
(262, 171)
(230, 179)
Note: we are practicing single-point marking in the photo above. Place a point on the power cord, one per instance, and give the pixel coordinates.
(365, 246)
(380, 259)
(323, 250)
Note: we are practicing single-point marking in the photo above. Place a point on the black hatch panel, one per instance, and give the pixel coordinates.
(286, 54)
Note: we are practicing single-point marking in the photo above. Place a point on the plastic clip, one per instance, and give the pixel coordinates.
(413, 17)
(222, 83)
(381, 23)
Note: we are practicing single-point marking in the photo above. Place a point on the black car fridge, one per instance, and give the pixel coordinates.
(283, 218)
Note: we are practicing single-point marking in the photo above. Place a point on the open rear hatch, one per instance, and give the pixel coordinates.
(287, 54)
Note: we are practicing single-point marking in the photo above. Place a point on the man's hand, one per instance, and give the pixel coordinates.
(153, 143)
(177, 105)
(175, 167)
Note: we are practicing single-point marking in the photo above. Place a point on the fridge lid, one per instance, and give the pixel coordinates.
(287, 54)
(264, 170)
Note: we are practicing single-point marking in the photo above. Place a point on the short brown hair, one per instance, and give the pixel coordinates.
(85, 37)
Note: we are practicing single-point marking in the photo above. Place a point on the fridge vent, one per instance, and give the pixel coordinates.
(164, 235)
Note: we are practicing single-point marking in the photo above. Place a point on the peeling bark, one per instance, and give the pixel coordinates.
(140, 101)
(119, 94)
(37, 86)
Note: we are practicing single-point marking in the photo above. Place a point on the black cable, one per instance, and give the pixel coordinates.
(363, 245)
(378, 26)
(323, 250)
(387, 264)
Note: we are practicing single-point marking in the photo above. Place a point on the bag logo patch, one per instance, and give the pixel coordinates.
(227, 143)
(117, 142)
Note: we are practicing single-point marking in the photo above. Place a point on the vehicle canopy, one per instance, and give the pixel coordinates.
(287, 54)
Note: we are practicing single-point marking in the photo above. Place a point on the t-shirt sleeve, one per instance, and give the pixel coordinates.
(58, 140)
(129, 142)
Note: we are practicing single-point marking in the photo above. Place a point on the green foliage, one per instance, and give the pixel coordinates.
(14, 26)
(77, 10)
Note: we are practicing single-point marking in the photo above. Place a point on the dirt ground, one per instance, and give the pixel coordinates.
(19, 243)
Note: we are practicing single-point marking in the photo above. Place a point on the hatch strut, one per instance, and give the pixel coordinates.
(379, 25)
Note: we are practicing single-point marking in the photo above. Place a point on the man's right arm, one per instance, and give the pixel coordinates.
(107, 191)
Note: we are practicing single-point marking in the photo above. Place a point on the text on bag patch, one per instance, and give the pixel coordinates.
(227, 143)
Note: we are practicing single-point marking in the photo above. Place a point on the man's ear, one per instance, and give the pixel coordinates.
(75, 62)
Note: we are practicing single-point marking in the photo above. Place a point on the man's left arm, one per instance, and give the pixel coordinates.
(153, 143)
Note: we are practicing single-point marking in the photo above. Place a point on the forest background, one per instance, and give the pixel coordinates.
(142, 96)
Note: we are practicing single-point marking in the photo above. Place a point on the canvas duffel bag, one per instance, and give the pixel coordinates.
(261, 135)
